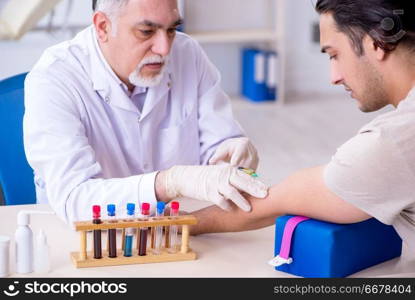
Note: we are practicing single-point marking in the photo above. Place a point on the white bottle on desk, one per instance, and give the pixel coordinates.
(24, 244)
(24, 241)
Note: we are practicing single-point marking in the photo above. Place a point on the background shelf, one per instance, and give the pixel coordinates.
(236, 36)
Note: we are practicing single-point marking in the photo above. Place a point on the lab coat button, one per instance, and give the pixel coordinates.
(107, 99)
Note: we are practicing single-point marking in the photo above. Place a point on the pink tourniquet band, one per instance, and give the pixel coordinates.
(288, 234)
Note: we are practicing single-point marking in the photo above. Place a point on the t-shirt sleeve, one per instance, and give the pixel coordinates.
(369, 172)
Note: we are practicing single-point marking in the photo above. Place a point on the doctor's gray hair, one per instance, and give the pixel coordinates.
(111, 8)
(108, 5)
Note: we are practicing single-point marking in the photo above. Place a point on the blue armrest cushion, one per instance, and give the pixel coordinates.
(322, 249)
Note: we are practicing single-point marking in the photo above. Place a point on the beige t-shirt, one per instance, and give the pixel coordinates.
(375, 170)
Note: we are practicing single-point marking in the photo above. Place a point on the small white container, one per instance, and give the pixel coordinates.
(4, 256)
(41, 258)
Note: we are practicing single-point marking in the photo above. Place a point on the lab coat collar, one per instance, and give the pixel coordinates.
(108, 85)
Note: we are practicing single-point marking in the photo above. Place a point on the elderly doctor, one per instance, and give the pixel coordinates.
(132, 111)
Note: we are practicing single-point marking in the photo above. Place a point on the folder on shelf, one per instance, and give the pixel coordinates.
(259, 74)
(272, 76)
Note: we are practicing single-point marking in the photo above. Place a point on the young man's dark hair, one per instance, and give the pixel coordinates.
(94, 4)
(388, 22)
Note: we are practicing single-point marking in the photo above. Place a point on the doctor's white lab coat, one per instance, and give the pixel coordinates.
(89, 144)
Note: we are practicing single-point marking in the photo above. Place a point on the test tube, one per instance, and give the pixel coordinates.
(158, 231)
(145, 211)
(112, 233)
(167, 237)
(96, 219)
(129, 232)
(174, 212)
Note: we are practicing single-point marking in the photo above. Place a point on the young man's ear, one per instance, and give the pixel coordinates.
(102, 26)
(372, 48)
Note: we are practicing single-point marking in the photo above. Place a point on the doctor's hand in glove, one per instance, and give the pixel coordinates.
(238, 152)
(218, 184)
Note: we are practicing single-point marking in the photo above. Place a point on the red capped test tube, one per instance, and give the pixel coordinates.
(174, 212)
(145, 211)
(96, 219)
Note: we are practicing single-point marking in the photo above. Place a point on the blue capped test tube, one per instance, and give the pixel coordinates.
(158, 235)
(112, 233)
(129, 232)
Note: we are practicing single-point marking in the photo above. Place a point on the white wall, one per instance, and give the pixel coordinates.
(214, 15)
(307, 68)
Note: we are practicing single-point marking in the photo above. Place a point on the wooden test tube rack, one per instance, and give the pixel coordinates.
(85, 259)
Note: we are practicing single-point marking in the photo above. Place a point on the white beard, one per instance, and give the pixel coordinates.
(137, 79)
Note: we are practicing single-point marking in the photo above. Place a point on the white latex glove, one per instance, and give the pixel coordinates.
(239, 152)
(217, 184)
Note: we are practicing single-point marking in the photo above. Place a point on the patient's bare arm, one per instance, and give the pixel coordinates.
(304, 193)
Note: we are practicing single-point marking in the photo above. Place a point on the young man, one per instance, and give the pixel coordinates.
(126, 98)
(371, 45)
